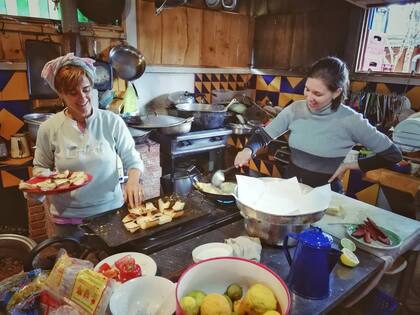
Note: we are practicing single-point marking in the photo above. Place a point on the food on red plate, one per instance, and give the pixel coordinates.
(124, 269)
(370, 231)
(61, 180)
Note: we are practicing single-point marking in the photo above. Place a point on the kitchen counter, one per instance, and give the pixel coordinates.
(344, 281)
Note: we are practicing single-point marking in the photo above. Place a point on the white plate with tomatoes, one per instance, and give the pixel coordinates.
(126, 266)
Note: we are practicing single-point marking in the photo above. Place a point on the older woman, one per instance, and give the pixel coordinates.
(84, 138)
(323, 131)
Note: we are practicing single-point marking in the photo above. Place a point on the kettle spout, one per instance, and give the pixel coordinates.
(333, 256)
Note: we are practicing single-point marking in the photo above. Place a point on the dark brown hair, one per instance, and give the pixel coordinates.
(335, 75)
(68, 78)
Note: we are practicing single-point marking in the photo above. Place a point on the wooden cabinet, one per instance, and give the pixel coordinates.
(295, 39)
(194, 37)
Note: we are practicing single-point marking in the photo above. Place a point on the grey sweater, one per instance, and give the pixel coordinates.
(319, 141)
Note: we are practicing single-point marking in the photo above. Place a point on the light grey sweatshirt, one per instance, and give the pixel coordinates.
(62, 146)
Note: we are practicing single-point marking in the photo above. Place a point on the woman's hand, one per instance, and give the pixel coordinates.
(243, 157)
(133, 192)
(342, 168)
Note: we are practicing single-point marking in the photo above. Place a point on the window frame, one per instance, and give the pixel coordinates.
(412, 77)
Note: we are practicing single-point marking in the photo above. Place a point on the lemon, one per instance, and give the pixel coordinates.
(347, 243)
(348, 258)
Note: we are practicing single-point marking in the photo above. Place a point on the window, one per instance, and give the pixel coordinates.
(391, 39)
(46, 9)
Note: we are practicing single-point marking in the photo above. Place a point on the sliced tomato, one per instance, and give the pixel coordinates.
(124, 262)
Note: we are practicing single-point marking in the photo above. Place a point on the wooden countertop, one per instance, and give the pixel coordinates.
(399, 181)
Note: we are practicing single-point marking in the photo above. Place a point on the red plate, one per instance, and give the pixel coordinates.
(38, 179)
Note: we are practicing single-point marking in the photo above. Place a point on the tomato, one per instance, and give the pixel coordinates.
(129, 272)
(104, 267)
(124, 261)
(110, 273)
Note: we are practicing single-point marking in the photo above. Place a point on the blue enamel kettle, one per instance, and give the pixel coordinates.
(312, 263)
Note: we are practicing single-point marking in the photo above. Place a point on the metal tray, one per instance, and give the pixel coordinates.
(111, 230)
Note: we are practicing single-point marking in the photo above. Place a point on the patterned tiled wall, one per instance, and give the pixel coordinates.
(283, 90)
(14, 103)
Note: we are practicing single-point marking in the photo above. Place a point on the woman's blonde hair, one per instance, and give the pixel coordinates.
(68, 78)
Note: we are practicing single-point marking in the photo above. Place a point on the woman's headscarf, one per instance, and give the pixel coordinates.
(51, 67)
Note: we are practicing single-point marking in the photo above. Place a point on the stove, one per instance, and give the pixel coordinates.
(192, 142)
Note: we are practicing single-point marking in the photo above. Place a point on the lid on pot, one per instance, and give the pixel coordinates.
(314, 237)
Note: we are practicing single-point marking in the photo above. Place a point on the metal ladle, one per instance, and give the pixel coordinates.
(219, 176)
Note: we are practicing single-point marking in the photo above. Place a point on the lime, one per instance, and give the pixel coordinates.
(347, 243)
(348, 258)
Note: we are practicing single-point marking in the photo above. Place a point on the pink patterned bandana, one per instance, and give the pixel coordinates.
(51, 67)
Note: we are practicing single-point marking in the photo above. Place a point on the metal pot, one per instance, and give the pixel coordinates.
(272, 229)
(205, 116)
(182, 97)
(240, 129)
(34, 121)
(16, 246)
(181, 128)
(127, 61)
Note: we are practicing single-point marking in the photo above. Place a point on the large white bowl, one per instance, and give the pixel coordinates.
(148, 295)
(214, 275)
(147, 264)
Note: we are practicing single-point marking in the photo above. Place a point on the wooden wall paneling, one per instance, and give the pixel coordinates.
(299, 44)
(149, 32)
(283, 36)
(212, 33)
(174, 36)
(242, 35)
(11, 46)
(181, 36)
(263, 41)
(194, 36)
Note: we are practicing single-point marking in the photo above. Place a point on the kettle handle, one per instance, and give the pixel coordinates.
(286, 247)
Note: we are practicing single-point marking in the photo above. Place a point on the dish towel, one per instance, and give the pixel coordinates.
(246, 247)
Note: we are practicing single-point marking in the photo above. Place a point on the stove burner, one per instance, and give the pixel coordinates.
(225, 202)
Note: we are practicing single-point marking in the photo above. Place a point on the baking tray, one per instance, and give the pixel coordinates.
(111, 230)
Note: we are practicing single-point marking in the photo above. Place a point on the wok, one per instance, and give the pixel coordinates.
(127, 61)
(211, 196)
(168, 125)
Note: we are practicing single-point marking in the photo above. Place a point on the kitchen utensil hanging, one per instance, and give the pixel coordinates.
(229, 5)
(213, 3)
(104, 78)
(128, 62)
(164, 4)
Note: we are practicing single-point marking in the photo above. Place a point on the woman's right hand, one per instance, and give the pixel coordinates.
(243, 157)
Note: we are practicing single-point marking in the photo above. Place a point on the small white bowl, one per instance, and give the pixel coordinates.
(211, 250)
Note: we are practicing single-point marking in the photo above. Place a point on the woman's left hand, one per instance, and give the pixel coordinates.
(343, 168)
(133, 192)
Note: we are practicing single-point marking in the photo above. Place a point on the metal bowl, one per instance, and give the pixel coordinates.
(33, 121)
(272, 229)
